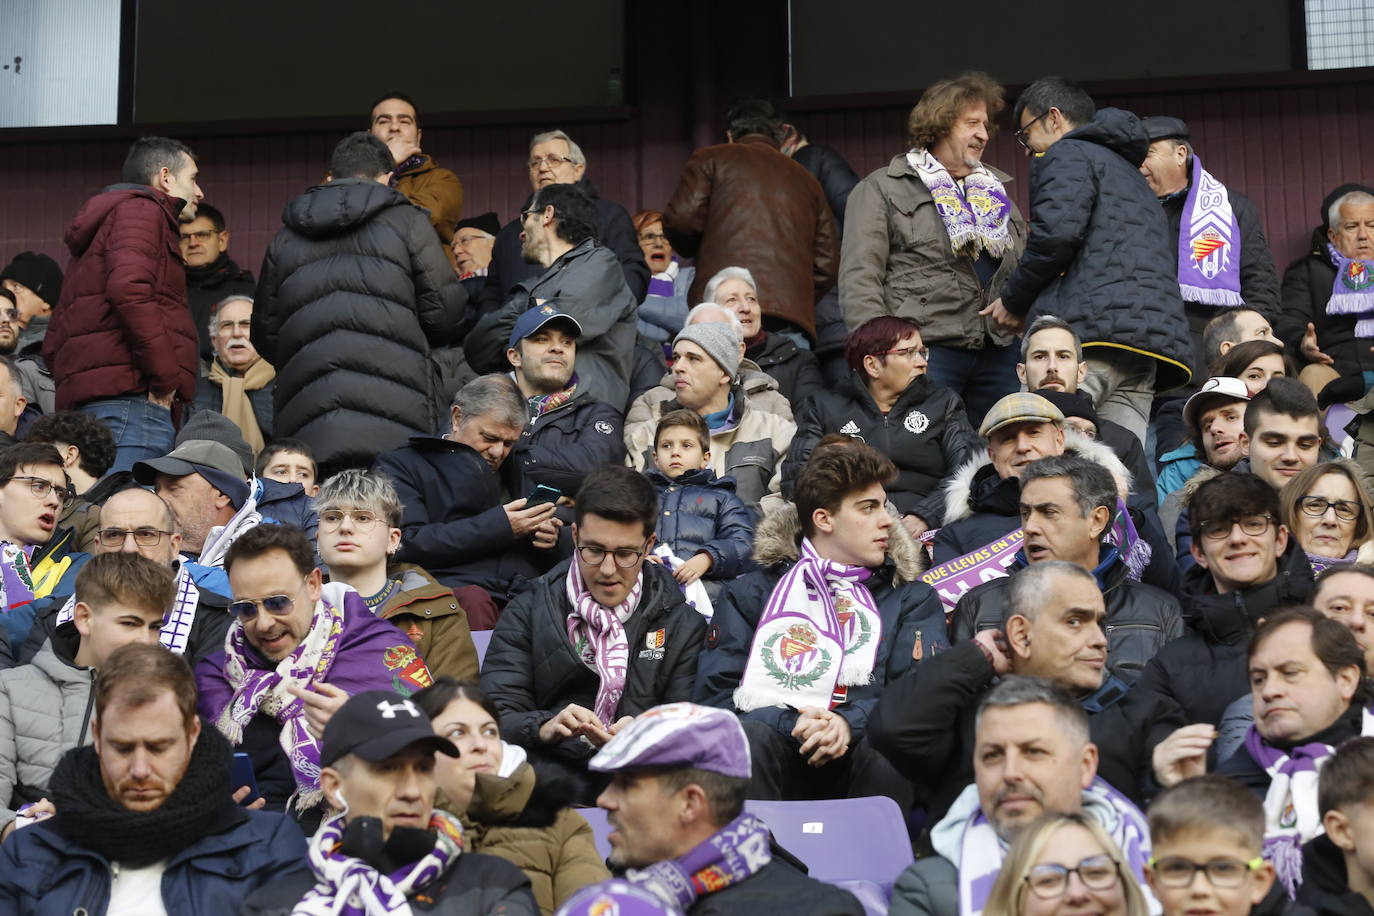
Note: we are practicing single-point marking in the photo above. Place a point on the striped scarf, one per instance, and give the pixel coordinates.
(597, 633)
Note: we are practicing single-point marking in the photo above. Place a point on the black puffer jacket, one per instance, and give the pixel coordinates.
(210, 285)
(700, 513)
(926, 434)
(778, 889)
(355, 290)
(1307, 285)
(833, 172)
(564, 445)
(1098, 255)
(1140, 618)
(1326, 883)
(1204, 671)
(795, 370)
(531, 670)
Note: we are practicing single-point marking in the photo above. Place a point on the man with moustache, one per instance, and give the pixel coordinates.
(211, 275)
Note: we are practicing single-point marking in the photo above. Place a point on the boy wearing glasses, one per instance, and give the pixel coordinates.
(598, 639)
(33, 491)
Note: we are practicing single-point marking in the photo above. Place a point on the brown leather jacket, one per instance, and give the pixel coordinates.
(745, 204)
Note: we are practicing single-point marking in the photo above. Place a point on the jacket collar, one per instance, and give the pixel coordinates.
(900, 167)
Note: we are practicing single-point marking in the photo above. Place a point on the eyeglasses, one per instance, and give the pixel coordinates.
(1253, 525)
(333, 518)
(276, 605)
(9, 315)
(1025, 131)
(204, 235)
(41, 487)
(905, 352)
(624, 556)
(553, 162)
(143, 537)
(1177, 872)
(1049, 880)
(525, 214)
(653, 237)
(1316, 507)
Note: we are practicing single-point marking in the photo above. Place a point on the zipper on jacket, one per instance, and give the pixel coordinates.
(86, 719)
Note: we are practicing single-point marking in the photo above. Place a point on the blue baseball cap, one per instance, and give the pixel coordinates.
(537, 317)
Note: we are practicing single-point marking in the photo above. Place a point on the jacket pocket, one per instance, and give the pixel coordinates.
(1130, 646)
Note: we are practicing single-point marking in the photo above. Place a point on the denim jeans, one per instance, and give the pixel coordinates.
(980, 377)
(141, 428)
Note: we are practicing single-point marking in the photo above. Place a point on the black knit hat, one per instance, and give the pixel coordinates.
(38, 272)
(486, 222)
(1337, 195)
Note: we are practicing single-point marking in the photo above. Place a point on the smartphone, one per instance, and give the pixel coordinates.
(241, 774)
(542, 494)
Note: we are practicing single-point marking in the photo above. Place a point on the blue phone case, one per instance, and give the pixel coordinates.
(241, 774)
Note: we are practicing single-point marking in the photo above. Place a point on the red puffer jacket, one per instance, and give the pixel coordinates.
(122, 326)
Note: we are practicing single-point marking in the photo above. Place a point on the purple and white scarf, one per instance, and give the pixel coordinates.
(176, 622)
(976, 216)
(15, 576)
(730, 855)
(348, 886)
(1291, 814)
(1209, 251)
(1353, 291)
(1321, 564)
(818, 636)
(597, 633)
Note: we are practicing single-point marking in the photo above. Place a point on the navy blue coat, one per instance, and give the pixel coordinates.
(564, 445)
(699, 512)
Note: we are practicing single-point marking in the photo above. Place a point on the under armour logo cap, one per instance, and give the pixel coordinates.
(377, 725)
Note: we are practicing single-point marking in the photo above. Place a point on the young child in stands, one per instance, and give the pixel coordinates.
(289, 461)
(700, 518)
(1338, 867)
(1214, 825)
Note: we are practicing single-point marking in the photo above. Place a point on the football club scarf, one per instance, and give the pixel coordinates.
(819, 633)
(15, 576)
(176, 622)
(975, 217)
(597, 633)
(1321, 564)
(1291, 814)
(541, 404)
(730, 855)
(348, 886)
(1209, 250)
(1353, 291)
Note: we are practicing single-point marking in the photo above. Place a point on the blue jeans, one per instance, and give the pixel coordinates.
(980, 377)
(141, 428)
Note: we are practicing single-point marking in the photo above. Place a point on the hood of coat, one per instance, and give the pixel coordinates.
(701, 477)
(532, 796)
(1117, 130)
(959, 489)
(778, 535)
(57, 658)
(97, 209)
(339, 207)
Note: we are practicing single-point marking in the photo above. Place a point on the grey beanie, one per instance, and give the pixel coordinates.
(718, 339)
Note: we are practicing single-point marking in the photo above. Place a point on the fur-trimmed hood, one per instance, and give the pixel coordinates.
(777, 537)
(959, 487)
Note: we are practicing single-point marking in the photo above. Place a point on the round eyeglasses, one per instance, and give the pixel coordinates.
(1173, 871)
(1049, 881)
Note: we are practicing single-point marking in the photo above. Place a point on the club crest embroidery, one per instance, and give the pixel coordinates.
(604, 427)
(656, 639)
(603, 906)
(793, 659)
(1356, 277)
(408, 672)
(850, 429)
(916, 422)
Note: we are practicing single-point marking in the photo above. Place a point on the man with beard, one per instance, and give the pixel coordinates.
(211, 275)
(583, 279)
(238, 382)
(203, 482)
(436, 191)
(1215, 418)
(144, 820)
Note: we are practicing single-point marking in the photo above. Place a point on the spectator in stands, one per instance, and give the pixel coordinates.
(295, 651)
(600, 638)
(1337, 876)
(122, 345)
(1346, 593)
(12, 400)
(890, 402)
(706, 528)
(238, 382)
(804, 647)
(971, 230)
(369, 293)
(554, 159)
(792, 367)
(360, 518)
(212, 277)
(45, 705)
(1325, 311)
(1246, 568)
(9, 323)
(85, 444)
(33, 282)
(453, 522)
(1098, 259)
(747, 443)
(34, 491)
(512, 806)
(144, 821)
(438, 192)
(1326, 508)
(743, 203)
(473, 239)
(1213, 825)
(1222, 257)
(1255, 362)
(679, 777)
(664, 309)
(388, 847)
(1215, 419)
(289, 461)
(1067, 506)
(581, 279)
(570, 433)
(203, 483)
(1032, 756)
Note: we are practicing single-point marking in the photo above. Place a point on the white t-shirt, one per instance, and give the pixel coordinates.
(136, 891)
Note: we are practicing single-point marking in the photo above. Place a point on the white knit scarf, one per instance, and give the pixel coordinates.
(598, 636)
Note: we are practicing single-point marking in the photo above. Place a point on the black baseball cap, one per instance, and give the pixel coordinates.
(377, 725)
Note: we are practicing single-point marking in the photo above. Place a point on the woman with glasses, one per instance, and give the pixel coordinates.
(1062, 864)
(1327, 509)
(664, 308)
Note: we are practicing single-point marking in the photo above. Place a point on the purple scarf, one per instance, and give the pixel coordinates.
(1321, 564)
(17, 577)
(734, 853)
(1209, 248)
(597, 634)
(1353, 291)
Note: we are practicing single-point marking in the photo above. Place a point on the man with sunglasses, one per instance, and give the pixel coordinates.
(601, 637)
(296, 650)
